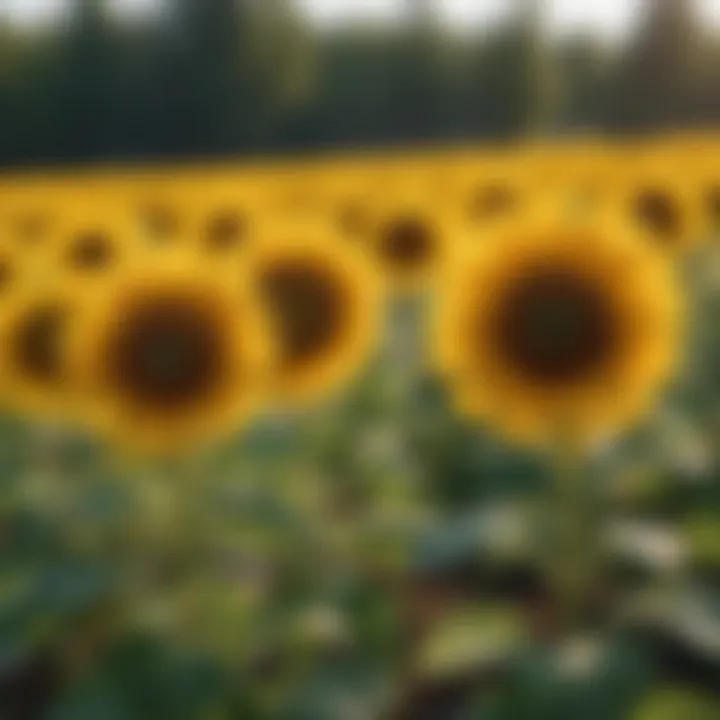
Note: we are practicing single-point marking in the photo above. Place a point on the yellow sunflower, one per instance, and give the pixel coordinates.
(558, 325)
(691, 148)
(349, 201)
(157, 205)
(159, 216)
(587, 184)
(446, 180)
(664, 208)
(408, 239)
(707, 188)
(220, 223)
(352, 212)
(495, 193)
(171, 354)
(711, 200)
(324, 302)
(29, 211)
(34, 330)
(89, 242)
(12, 273)
(299, 193)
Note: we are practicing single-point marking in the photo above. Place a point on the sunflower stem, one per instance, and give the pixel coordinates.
(185, 542)
(572, 561)
(191, 525)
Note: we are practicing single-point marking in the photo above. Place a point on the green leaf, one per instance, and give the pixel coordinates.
(673, 703)
(703, 537)
(591, 677)
(472, 638)
(99, 698)
(144, 680)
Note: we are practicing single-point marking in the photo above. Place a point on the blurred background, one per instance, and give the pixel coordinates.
(107, 79)
(370, 558)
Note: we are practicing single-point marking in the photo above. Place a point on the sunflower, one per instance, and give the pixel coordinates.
(89, 243)
(351, 201)
(692, 148)
(494, 197)
(12, 273)
(225, 229)
(707, 189)
(298, 193)
(220, 222)
(493, 193)
(587, 185)
(157, 206)
(16, 274)
(557, 325)
(711, 200)
(34, 328)
(664, 208)
(159, 217)
(574, 175)
(172, 353)
(28, 212)
(352, 212)
(324, 302)
(446, 179)
(408, 239)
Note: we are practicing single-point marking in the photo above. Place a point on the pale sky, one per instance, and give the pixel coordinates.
(611, 19)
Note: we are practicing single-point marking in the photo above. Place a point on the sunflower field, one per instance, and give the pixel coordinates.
(408, 436)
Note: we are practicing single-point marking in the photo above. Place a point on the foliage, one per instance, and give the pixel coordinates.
(221, 77)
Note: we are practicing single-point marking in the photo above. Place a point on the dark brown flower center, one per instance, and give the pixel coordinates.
(555, 327)
(91, 250)
(712, 204)
(492, 201)
(307, 303)
(225, 229)
(407, 242)
(36, 343)
(159, 221)
(168, 354)
(659, 212)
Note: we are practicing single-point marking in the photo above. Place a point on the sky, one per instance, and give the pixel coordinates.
(611, 19)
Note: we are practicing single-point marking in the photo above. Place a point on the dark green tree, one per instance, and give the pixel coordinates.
(285, 87)
(351, 101)
(656, 81)
(12, 71)
(384, 85)
(583, 69)
(86, 99)
(207, 72)
(508, 77)
(411, 74)
(417, 102)
(709, 62)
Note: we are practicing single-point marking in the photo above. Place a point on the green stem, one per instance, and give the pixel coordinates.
(572, 553)
(190, 521)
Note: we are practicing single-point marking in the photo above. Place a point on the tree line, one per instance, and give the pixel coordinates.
(207, 78)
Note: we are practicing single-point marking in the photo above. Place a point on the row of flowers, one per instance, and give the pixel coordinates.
(165, 309)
